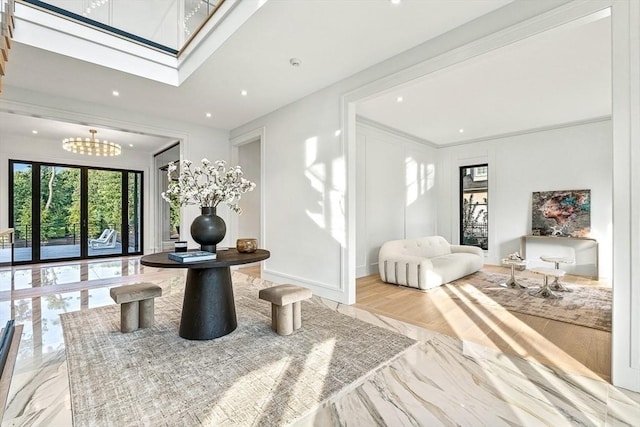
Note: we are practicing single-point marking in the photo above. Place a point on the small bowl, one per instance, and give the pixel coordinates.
(246, 246)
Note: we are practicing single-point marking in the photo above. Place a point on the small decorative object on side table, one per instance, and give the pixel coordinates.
(514, 260)
(247, 246)
(180, 246)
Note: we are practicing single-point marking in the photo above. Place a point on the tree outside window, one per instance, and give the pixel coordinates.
(474, 206)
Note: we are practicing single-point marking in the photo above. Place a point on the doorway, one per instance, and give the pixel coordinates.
(168, 214)
(247, 150)
(249, 222)
(66, 212)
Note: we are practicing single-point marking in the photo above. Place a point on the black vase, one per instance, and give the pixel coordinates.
(208, 229)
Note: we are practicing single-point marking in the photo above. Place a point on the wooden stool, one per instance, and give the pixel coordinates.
(545, 291)
(136, 309)
(285, 306)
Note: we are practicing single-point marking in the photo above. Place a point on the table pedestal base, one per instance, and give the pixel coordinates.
(556, 285)
(208, 310)
(560, 287)
(544, 291)
(512, 282)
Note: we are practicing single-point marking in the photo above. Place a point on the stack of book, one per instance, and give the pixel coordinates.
(193, 256)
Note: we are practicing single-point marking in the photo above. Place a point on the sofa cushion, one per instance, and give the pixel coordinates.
(425, 247)
(432, 246)
(454, 266)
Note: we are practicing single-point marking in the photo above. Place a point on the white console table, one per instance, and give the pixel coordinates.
(583, 250)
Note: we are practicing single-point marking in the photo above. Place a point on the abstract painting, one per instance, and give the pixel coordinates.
(561, 213)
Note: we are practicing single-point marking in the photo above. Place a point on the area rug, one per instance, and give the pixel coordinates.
(249, 377)
(586, 306)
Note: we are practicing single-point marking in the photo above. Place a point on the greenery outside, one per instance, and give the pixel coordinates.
(60, 203)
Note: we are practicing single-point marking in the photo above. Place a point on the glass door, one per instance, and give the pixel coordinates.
(104, 212)
(21, 206)
(58, 219)
(134, 212)
(64, 212)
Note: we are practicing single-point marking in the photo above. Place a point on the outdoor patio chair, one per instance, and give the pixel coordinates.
(106, 240)
(103, 236)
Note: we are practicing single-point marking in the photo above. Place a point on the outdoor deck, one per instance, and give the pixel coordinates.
(56, 252)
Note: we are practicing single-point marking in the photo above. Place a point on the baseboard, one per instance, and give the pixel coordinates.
(366, 270)
(334, 293)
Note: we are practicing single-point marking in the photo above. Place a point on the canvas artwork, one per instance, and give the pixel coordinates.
(561, 213)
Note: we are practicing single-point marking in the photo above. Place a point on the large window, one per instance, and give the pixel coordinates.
(62, 212)
(474, 206)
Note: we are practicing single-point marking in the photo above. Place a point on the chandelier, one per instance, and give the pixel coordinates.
(91, 146)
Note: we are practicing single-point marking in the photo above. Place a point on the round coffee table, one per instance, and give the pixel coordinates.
(545, 291)
(512, 282)
(557, 260)
(208, 308)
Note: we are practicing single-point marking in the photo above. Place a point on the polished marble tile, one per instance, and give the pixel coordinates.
(440, 381)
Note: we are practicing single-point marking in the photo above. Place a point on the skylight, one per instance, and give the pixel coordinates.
(167, 25)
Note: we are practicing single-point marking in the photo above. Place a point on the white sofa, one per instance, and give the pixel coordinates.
(427, 262)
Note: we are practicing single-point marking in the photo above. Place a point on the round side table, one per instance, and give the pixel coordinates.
(545, 291)
(557, 260)
(512, 282)
(208, 308)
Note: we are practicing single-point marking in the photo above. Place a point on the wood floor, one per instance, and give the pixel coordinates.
(571, 348)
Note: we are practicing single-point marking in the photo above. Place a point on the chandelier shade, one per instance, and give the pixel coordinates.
(91, 146)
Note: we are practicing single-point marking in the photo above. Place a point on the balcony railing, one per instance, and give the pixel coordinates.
(167, 25)
(57, 234)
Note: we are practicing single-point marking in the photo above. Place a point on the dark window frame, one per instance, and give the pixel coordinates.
(84, 172)
(480, 237)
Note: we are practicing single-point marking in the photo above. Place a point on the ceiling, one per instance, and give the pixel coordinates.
(557, 77)
(333, 38)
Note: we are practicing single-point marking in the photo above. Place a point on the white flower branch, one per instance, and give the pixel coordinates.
(207, 185)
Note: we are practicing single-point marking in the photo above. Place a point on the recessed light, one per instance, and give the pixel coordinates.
(337, 133)
(115, 93)
(35, 132)
(243, 93)
(208, 114)
(461, 130)
(130, 145)
(395, 1)
(295, 62)
(399, 99)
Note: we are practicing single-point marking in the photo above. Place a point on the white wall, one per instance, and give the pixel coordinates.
(304, 190)
(307, 208)
(570, 158)
(395, 192)
(249, 221)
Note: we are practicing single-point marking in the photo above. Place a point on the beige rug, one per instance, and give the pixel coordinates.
(250, 377)
(586, 306)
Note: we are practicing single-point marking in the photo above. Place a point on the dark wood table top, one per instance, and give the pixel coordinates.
(225, 258)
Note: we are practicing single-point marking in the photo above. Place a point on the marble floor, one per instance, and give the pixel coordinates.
(441, 381)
